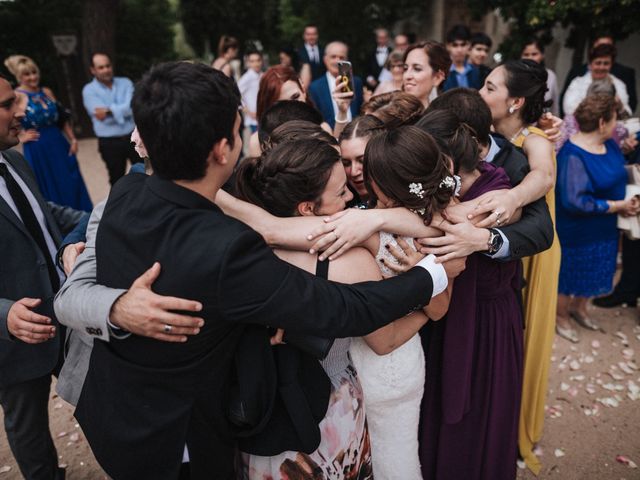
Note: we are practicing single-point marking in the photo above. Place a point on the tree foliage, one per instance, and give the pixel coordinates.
(278, 22)
(585, 19)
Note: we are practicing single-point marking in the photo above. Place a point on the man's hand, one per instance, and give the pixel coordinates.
(70, 255)
(101, 113)
(459, 240)
(145, 313)
(28, 326)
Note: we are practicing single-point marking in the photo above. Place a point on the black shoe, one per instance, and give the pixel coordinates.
(614, 300)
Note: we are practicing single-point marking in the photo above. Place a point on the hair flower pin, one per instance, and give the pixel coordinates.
(448, 182)
(416, 189)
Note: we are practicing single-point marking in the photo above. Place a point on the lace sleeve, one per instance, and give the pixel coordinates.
(575, 189)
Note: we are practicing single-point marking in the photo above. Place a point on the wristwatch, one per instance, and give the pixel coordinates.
(494, 244)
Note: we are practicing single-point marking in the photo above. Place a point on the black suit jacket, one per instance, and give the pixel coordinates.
(23, 273)
(534, 232)
(624, 73)
(317, 68)
(373, 69)
(144, 399)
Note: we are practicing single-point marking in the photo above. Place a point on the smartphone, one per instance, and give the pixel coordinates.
(345, 72)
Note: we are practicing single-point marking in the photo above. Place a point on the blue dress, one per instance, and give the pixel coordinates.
(56, 171)
(587, 231)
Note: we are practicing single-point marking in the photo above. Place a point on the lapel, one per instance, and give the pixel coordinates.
(20, 166)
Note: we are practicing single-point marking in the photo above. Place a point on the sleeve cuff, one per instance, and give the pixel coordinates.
(437, 272)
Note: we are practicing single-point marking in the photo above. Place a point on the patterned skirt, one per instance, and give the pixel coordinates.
(587, 270)
(344, 452)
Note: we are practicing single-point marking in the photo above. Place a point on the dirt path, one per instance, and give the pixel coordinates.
(578, 425)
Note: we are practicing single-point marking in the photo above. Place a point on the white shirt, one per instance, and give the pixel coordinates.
(381, 55)
(33, 203)
(249, 85)
(313, 52)
(332, 86)
(577, 92)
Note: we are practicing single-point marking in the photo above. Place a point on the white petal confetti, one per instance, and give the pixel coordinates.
(595, 344)
(5, 469)
(575, 365)
(626, 461)
(559, 452)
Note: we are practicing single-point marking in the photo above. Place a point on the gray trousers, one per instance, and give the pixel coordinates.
(26, 422)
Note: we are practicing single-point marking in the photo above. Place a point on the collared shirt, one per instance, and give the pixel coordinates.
(462, 79)
(249, 85)
(33, 203)
(381, 55)
(505, 251)
(494, 149)
(117, 99)
(332, 86)
(313, 52)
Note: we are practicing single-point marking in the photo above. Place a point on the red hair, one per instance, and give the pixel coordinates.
(271, 84)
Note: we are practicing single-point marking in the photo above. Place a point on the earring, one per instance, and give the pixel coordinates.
(511, 109)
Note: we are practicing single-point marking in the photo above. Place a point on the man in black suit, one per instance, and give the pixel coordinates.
(311, 52)
(144, 400)
(30, 231)
(377, 58)
(534, 232)
(626, 74)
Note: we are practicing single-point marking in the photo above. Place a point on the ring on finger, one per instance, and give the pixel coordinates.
(498, 222)
(497, 213)
(167, 328)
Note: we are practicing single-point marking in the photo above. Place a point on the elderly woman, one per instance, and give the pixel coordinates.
(590, 187)
(395, 66)
(601, 59)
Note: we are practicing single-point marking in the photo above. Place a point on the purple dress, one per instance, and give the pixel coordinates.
(470, 409)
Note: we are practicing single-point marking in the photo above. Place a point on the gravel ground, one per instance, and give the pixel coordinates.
(591, 417)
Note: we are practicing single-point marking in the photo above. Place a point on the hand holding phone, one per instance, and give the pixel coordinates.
(345, 74)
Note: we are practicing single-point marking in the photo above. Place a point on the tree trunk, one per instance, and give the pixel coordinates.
(98, 29)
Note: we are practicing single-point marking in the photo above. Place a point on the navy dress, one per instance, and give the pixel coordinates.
(56, 171)
(587, 231)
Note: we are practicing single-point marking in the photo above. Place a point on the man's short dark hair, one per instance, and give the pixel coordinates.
(481, 38)
(469, 107)
(181, 110)
(285, 111)
(460, 33)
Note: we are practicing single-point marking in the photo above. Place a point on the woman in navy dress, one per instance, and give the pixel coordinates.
(590, 188)
(50, 155)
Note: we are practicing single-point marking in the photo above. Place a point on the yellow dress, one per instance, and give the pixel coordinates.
(541, 273)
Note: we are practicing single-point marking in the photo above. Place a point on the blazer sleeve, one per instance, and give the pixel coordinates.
(71, 305)
(533, 233)
(257, 287)
(66, 218)
(5, 306)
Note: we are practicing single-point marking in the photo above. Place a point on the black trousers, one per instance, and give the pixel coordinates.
(26, 422)
(629, 284)
(115, 151)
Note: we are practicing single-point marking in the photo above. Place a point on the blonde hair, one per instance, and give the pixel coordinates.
(20, 64)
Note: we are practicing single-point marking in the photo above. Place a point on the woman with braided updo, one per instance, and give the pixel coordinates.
(515, 94)
(301, 175)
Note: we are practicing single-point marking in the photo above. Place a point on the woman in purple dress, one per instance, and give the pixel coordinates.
(469, 418)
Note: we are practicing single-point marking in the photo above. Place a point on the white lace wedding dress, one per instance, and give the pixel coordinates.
(393, 385)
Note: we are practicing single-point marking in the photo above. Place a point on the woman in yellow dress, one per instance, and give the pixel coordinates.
(515, 94)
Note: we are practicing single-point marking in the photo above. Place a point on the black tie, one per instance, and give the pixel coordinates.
(30, 221)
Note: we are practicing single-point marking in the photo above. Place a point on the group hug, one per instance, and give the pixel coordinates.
(372, 299)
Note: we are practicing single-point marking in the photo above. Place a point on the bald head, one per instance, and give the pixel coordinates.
(335, 52)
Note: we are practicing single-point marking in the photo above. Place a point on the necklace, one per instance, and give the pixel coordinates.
(511, 140)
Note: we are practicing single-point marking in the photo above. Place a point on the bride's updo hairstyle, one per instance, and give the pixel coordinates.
(287, 174)
(409, 168)
(527, 79)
